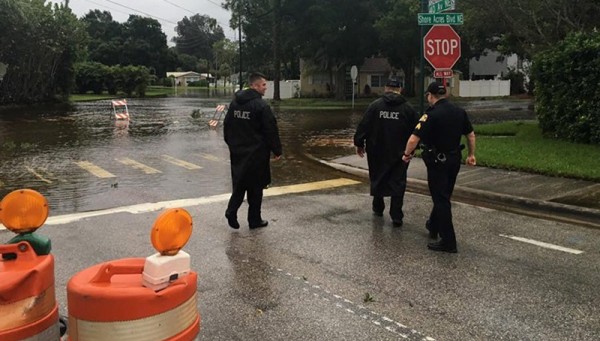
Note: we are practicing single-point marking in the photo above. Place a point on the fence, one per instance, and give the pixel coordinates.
(484, 88)
(287, 89)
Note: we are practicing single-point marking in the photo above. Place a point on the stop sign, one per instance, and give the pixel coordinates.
(441, 47)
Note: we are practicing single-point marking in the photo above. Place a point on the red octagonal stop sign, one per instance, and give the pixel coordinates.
(441, 46)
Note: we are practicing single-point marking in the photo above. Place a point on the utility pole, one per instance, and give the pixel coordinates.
(240, 41)
(277, 48)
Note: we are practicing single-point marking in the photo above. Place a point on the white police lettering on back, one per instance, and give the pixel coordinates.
(389, 115)
(245, 115)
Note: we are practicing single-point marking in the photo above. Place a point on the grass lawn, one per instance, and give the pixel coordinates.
(320, 103)
(520, 146)
(151, 91)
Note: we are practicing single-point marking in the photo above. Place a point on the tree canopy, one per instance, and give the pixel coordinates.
(39, 43)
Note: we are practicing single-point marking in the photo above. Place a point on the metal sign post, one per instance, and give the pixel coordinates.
(353, 74)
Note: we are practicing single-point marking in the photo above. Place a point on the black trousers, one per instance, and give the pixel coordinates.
(441, 178)
(255, 195)
(396, 203)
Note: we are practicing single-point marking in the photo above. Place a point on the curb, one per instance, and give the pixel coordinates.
(584, 216)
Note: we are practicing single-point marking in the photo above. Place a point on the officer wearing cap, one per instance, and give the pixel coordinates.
(439, 130)
(384, 129)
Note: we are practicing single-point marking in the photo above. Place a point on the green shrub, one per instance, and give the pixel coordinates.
(90, 76)
(567, 99)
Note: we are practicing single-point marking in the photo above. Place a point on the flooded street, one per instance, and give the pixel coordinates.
(82, 159)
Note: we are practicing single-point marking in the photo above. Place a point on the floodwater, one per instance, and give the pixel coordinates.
(82, 159)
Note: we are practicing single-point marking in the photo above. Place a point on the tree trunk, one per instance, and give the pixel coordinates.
(340, 82)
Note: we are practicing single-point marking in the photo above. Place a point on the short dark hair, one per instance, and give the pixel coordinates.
(255, 76)
(436, 88)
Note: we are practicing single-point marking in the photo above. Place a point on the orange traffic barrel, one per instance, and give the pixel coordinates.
(28, 306)
(108, 302)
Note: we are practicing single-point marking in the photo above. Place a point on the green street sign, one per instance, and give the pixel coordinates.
(440, 19)
(438, 6)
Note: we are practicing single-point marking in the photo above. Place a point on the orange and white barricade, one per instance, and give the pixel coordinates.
(214, 122)
(28, 308)
(120, 109)
(144, 299)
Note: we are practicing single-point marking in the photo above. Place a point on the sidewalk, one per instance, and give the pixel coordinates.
(569, 200)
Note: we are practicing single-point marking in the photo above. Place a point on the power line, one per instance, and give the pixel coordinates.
(176, 5)
(135, 10)
(185, 9)
(110, 8)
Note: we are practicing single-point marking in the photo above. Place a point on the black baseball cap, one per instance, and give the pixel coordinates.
(393, 83)
(436, 88)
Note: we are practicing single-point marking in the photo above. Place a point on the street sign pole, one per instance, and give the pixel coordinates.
(421, 93)
(353, 74)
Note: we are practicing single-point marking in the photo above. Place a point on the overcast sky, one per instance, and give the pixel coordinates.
(167, 12)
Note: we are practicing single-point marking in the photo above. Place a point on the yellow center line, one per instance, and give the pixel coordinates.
(95, 170)
(180, 163)
(38, 175)
(157, 206)
(311, 186)
(138, 165)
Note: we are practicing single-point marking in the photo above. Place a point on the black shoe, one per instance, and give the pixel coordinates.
(262, 223)
(443, 247)
(432, 234)
(378, 214)
(232, 221)
(397, 223)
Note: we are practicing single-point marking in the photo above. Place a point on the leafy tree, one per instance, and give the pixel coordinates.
(341, 33)
(138, 41)
(106, 37)
(225, 52)
(145, 44)
(187, 62)
(526, 27)
(39, 43)
(196, 36)
(400, 38)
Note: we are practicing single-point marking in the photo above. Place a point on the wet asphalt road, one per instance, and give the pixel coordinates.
(306, 275)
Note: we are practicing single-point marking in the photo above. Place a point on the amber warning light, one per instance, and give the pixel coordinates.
(171, 231)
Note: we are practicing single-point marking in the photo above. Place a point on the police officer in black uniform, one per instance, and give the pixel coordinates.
(385, 127)
(439, 130)
(251, 133)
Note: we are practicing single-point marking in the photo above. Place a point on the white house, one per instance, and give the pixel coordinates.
(183, 78)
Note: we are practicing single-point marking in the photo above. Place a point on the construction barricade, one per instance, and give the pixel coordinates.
(120, 109)
(28, 308)
(141, 299)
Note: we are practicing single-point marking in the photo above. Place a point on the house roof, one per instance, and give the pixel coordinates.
(182, 74)
(376, 65)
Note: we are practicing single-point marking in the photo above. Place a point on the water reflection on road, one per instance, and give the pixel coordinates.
(82, 159)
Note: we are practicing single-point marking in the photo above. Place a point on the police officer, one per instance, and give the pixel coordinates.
(251, 133)
(385, 127)
(439, 130)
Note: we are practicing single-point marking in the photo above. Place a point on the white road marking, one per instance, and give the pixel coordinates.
(137, 165)
(152, 207)
(210, 157)
(180, 163)
(542, 244)
(95, 170)
(38, 175)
